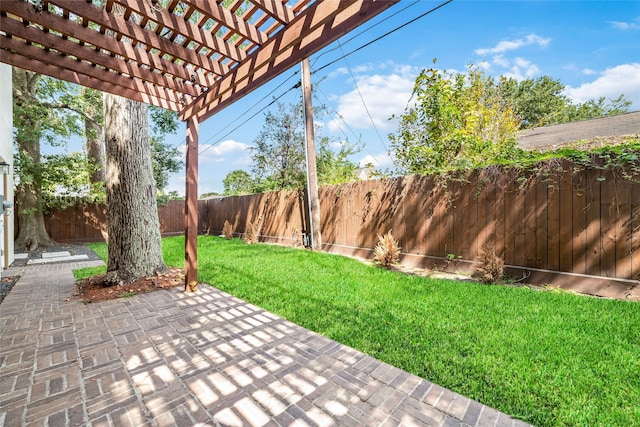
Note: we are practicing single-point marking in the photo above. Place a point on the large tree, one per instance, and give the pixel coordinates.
(542, 101)
(279, 155)
(135, 247)
(45, 110)
(237, 182)
(29, 120)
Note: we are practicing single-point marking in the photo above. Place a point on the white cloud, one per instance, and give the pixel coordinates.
(518, 68)
(626, 26)
(484, 65)
(382, 160)
(522, 69)
(611, 83)
(363, 68)
(501, 61)
(384, 95)
(220, 152)
(508, 45)
(588, 72)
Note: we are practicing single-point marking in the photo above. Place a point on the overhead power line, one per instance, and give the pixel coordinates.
(428, 12)
(363, 102)
(276, 99)
(321, 68)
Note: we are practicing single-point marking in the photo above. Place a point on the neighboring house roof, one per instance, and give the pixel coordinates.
(554, 136)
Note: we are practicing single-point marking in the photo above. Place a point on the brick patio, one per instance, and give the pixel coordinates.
(170, 359)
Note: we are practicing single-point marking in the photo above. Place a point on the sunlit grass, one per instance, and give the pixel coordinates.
(549, 358)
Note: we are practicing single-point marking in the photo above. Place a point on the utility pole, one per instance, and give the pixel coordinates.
(312, 175)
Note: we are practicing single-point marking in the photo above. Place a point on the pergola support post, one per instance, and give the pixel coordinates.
(191, 208)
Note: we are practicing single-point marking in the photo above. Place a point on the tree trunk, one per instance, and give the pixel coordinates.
(135, 246)
(32, 232)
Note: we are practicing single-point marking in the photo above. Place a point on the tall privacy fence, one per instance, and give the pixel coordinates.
(581, 222)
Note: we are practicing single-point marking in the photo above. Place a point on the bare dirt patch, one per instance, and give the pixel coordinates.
(94, 289)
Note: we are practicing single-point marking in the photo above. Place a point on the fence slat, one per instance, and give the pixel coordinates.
(542, 224)
(510, 188)
(608, 215)
(530, 223)
(623, 229)
(635, 231)
(553, 222)
(593, 223)
(566, 216)
(579, 222)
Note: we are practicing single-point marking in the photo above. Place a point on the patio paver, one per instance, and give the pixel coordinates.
(171, 359)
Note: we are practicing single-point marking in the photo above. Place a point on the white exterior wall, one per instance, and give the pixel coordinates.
(6, 155)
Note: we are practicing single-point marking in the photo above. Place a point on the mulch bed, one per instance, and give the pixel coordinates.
(94, 289)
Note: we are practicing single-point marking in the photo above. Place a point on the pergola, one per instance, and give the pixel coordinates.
(194, 57)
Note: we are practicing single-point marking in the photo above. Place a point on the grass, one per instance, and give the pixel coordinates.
(548, 358)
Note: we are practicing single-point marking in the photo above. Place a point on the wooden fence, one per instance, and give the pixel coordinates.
(581, 222)
(87, 223)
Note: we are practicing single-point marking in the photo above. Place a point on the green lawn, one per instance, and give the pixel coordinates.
(548, 358)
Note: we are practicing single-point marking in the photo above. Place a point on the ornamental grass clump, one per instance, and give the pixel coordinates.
(489, 267)
(251, 234)
(387, 252)
(227, 230)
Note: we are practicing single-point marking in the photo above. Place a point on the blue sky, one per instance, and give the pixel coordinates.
(593, 47)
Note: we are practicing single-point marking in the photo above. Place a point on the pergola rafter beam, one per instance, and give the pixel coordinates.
(277, 9)
(92, 56)
(188, 30)
(122, 27)
(319, 25)
(99, 83)
(128, 84)
(228, 19)
(108, 44)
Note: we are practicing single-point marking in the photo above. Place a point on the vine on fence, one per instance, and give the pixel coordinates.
(621, 158)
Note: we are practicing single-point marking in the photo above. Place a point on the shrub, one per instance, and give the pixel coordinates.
(387, 252)
(227, 230)
(489, 266)
(251, 234)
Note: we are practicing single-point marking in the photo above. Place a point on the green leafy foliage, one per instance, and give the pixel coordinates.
(621, 157)
(279, 153)
(165, 158)
(333, 164)
(464, 121)
(453, 121)
(65, 180)
(164, 198)
(541, 101)
(238, 182)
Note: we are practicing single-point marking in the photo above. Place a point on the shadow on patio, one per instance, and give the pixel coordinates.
(165, 358)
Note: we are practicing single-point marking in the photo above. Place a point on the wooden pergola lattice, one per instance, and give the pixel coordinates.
(194, 57)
